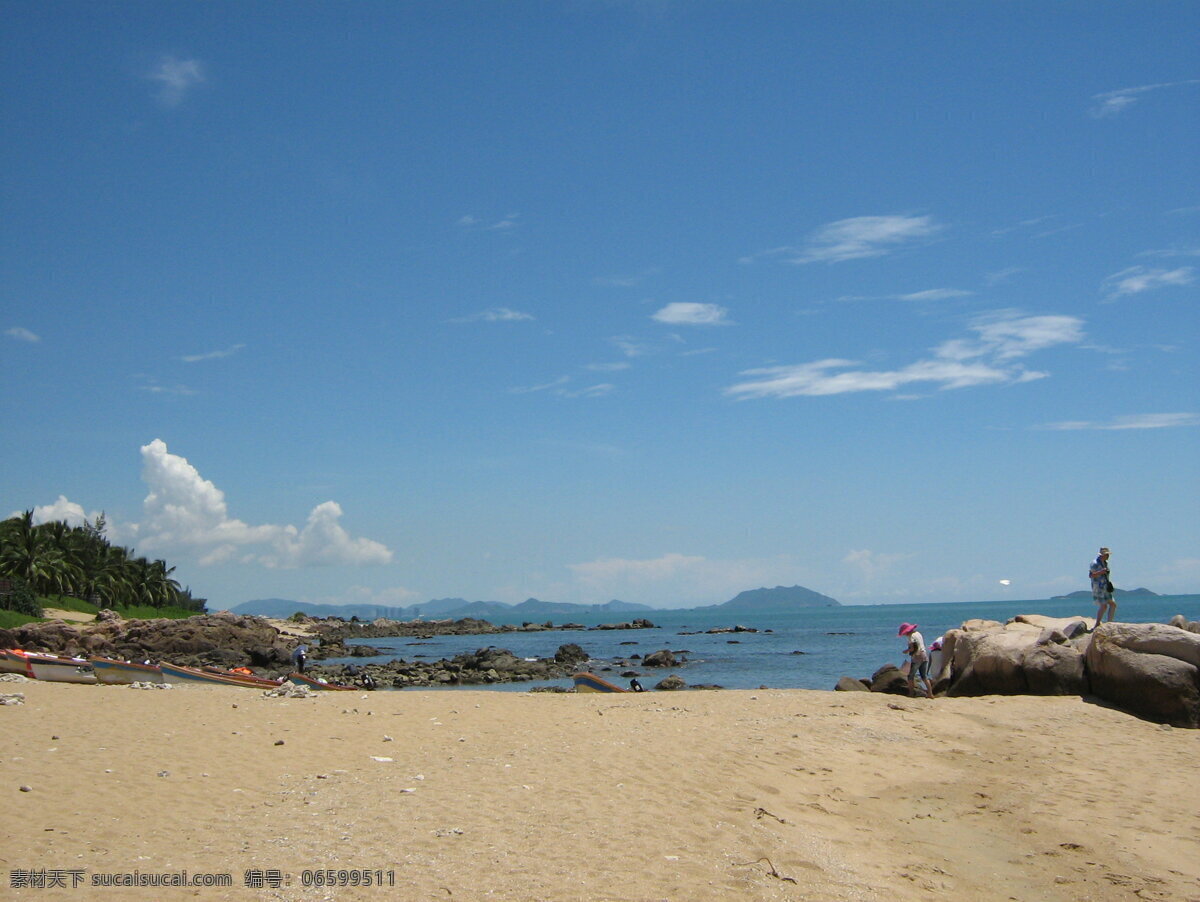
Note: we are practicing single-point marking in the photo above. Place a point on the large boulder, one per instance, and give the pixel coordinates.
(1192, 626)
(891, 679)
(1069, 626)
(662, 658)
(1019, 659)
(850, 684)
(1149, 669)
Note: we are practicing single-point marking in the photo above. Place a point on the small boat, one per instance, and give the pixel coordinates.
(54, 669)
(172, 672)
(312, 683)
(243, 673)
(13, 660)
(589, 682)
(122, 673)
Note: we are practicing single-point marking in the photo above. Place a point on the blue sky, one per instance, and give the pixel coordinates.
(379, 302)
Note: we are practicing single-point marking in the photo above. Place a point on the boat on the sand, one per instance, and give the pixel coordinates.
(214, 677)
(54, 669)
(589, 682)
(122, 673)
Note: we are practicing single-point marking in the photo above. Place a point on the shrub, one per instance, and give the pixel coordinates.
(21, 599)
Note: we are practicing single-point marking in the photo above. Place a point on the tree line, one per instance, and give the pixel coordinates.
(55, 558)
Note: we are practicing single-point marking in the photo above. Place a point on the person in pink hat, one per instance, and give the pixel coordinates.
(918, 657)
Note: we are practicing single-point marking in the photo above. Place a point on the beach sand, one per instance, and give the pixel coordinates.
(769, 794)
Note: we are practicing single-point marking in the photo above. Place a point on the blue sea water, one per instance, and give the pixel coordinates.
(852, 640)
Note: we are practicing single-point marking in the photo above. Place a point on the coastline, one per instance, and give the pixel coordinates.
(655, 796)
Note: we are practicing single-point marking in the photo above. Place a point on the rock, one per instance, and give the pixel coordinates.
(1159, 687)
(849, 684)
(662, 658)
(107, 614)
(1069, 626)
(1015, 662)
(570, 654)
(890, 679)
(25, 788)
(976, 624)
(13, 698)
(1152, 639)
(671, 683)
(1192, 626)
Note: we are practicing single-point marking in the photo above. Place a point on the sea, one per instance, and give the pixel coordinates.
(809, 648)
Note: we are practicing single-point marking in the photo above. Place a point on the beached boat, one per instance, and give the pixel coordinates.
(54, 669)
(122, 673)
(13, 660)
(589, 682)
(312, 683)
(173, 672)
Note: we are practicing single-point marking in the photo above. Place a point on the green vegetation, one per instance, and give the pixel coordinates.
(84, 571)
(9, 619)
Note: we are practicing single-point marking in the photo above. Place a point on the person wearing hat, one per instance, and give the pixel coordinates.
(918, 665)
(1102, 587)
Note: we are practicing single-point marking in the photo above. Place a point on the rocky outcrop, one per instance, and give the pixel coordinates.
(223, 639)
(1149, 669)
(1192, 626)
(1021, 658)
(662, 658)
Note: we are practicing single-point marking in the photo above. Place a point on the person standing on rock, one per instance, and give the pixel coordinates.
(1102, 587)
(299, 657)
(918, 659)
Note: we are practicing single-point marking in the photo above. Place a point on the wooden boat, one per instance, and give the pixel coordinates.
(301, 680)
(122, 673)
(243, 673)
(174, 672)
(13, 660)
(54, 669)
(589, 682)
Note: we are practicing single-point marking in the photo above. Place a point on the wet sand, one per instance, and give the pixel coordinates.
(768, 794)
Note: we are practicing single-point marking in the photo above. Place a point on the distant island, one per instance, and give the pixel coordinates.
(1117, 593)
(752, 601)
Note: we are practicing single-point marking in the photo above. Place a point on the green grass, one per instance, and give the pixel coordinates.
(10, 619)
(132, 612)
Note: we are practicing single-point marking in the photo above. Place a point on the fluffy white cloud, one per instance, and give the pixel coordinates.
(855, 238)
(61, 509)
(985, 359)
(176, 78)
(184, 510)
(682, 313)
(1137, 279)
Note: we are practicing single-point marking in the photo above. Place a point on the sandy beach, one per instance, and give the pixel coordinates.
(770, 794)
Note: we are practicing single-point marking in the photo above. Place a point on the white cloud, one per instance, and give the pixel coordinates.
(176, 78)
(1110, 103)
(20, 333)
(682, 313)
(61, 509)
(675, 578)
(985, 359)
(592, 391)
(608, 367)
(184, 510)
(855, 238)
(212, 355)
(935, 294)
(1135, 421)
(495, 315)
(471, 221)
(1136, 279)
(545, 386)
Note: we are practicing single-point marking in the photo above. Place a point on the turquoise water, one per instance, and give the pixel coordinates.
(854, 640)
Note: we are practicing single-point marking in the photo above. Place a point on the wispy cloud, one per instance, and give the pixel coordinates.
(20, 333)
(987, 358)
(1137, 279)
(1135, 421)
(544, 386)
(929, 294)
(1167, 252)
(559, 387)
(1110, 103)
(153, 386)
(495, 315)
(609, 367)
(855, 238)
(631, 347)
(176, 78)
(212, 355)
(683, 313)
(471, 221)
(629, 281)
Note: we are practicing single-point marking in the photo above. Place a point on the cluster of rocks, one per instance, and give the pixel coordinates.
(333, 630)
(224, 640)
(481, 667)
(1149, 669)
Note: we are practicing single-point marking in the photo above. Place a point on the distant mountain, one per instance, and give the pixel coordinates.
(441, 608)
(781, 598)
(1117, 593)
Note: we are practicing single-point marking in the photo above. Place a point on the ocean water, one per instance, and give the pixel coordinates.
(806, 649)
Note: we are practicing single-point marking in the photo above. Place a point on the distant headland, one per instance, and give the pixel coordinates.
(780, 598)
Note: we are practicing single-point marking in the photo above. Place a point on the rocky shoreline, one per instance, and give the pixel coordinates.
(1148, 669)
